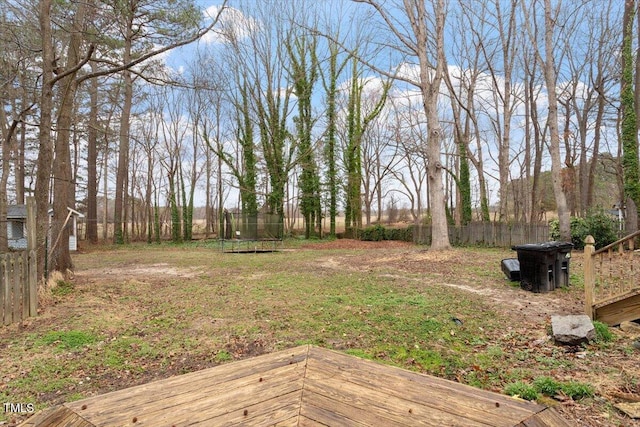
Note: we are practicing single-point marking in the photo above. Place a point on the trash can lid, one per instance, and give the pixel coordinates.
(543, 247)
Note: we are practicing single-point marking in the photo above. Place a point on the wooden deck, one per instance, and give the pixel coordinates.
(618, 309)
(611, 285)
(302, 386)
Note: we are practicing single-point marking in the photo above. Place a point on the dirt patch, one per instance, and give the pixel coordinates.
(139, 271)
(441, 268)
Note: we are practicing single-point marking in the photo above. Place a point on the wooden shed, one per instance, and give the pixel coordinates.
(16, 227)
(301, 386)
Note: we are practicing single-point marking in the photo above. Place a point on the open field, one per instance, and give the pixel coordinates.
(138, 313)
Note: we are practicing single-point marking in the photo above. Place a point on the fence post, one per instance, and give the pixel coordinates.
(6, 290)
(32, 257)
(589, 275)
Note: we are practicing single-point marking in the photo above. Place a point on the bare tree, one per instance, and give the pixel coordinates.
(546, 56)
(411, 171)
(379, 159)
(422, 37)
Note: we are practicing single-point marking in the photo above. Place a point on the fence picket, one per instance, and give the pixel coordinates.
(32, 280)
(24, 284)
(17, 289)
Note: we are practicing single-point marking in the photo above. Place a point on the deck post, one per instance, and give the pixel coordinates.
(589, 275)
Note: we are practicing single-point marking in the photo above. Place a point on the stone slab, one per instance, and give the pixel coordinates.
(572, 329)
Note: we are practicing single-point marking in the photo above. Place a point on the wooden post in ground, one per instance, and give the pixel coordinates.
(32, 257)
(6, 291)
(589, 275)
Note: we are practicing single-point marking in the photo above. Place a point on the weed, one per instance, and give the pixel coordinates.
(495, 352)
(554, 361)
(67, 340)
(359, 353)
(603, 334)
(428, 359)
(522, 390)
(577, 390)
(72, 397)
(62, 288)
(547, 385)
(223, 356)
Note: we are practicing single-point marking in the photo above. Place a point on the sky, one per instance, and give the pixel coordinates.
(179, 58)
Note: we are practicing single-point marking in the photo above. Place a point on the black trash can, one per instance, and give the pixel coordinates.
(511, 269)
(563, 258)
(543, 266)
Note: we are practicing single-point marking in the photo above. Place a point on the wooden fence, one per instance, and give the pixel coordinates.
(491, 234)
(18, 286)
(611, 280)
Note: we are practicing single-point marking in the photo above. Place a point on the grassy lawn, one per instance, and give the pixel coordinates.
(138, 313)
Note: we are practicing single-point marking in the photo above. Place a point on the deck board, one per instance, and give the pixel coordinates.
(322, 415)
(174, 387)
(279, 411)
(306, 422)
(60, 416)
(191, 403)
(422, 390)
(303, 386)
(363, 410)
(546, 418)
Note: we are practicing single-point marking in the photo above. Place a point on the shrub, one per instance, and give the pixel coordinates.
(403, 234)
(602, 227)
(375, 233)
(597, 223)
(522, 390)
(579, 231)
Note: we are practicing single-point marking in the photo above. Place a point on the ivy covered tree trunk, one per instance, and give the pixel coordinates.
(304, 70)
(277, 153)
(331, 89)
(157, 231)
(629, 134)
(353, 155)
(464, 183)
(187, 210)
(176, 232)
(356, 127)
(248, 177)
(246, 172)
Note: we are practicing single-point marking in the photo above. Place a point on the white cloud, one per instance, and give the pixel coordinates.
(232, 25)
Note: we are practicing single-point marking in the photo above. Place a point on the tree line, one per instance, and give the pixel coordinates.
(455, 110)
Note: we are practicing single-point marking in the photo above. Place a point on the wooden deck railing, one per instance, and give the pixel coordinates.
(611, 280)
